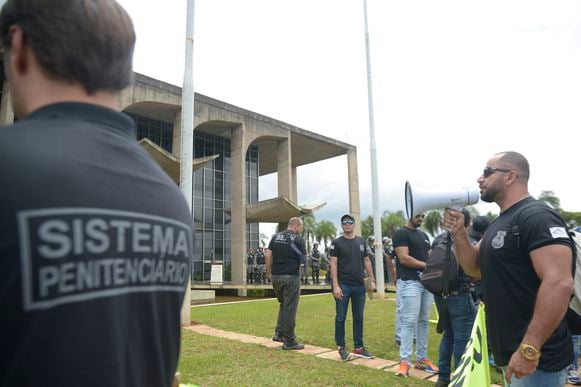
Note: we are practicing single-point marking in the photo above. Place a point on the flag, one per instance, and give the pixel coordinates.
(473, 370)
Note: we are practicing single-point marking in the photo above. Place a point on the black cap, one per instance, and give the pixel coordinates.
(347, 216)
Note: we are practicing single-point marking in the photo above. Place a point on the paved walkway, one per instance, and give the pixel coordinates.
(324, 353)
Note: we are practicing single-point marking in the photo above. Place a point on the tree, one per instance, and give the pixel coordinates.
(263, 239)
(325, 231)
(550, 198)
(390, 221)
(432, 222)
(309, 227)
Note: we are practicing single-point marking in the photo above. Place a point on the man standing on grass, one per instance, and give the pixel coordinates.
(284, 255)
(95, 238)
(349, 259)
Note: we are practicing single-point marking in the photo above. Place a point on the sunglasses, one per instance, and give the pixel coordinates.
(490, 170)
(348, 221)
(419, 216)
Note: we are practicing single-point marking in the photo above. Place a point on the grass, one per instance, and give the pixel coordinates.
(210, 361)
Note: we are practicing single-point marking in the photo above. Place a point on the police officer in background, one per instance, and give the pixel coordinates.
(260, 267)
(315, 263)
(95, 238)
(250, 266)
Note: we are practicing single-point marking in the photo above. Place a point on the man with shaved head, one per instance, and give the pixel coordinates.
(524, 259)
(284, 255)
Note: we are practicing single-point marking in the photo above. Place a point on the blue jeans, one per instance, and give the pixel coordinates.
(457, 313)
(576, 341)
(398, 314)
(539, 378)
(417, 305)
(287, 289)
(357, 296)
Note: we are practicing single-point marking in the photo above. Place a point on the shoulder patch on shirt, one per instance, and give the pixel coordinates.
(558, 232)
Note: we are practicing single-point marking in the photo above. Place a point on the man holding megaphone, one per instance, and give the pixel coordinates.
(526, 275)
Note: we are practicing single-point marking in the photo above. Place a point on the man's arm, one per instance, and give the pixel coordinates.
(466, 253)
(403, 254)
(268, 261)
(390, 266)
(369, 270)
(337, 292)
(552, 264)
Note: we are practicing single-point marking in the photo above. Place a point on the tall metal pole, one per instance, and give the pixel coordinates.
(187, 135)
(374, 183)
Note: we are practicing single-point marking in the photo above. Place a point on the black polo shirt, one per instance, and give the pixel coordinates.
(284, 259)
(95, 250)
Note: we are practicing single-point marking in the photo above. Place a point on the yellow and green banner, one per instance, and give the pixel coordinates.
(473, 370)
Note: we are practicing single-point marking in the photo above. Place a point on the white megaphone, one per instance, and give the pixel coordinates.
(418, 201)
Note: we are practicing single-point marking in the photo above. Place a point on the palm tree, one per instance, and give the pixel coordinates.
(432, 222)
(550, 198)
(391, 221)
(325, 231)
(309, 227)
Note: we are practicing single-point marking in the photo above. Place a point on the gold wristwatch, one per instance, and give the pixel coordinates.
(529, 352)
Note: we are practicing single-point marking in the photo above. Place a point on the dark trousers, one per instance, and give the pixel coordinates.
(287, 289)
(457, 314)
(357, 296)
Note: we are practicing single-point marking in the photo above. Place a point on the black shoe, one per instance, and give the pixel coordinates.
(440, 383)
(293, 346)
(278, 338)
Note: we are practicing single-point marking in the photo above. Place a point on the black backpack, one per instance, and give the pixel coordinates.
(573, 316)
(441, 267)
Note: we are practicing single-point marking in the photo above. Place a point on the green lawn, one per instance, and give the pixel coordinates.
(210, 361)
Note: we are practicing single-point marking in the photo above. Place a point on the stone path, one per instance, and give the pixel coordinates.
(324, 353)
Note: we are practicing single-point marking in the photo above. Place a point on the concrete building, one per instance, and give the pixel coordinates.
(233, 147)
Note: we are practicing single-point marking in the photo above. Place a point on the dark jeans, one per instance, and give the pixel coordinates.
(357, 296)
(458, 313)
(287, 289)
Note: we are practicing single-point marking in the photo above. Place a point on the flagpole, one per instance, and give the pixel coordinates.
(187, 136)
(379, 280)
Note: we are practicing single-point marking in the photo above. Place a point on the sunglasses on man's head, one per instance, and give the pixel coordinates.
(490, 170)
(348, 221)
(420, 216)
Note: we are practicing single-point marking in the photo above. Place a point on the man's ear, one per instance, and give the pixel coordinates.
(18, 51)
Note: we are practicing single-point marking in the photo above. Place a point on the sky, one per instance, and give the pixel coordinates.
(453, 83)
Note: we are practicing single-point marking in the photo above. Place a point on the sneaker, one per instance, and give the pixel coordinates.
(293, 346)
(278, 337)
(345, 356)
(362, 353)
(573, 377)
(426, 365)
(403, 369)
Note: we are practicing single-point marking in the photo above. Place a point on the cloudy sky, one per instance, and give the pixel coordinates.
(453, 83)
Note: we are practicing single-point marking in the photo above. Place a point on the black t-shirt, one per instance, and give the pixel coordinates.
(350, 255)
(284, 259)
(511, 283)
(418, 244)
(95, 250)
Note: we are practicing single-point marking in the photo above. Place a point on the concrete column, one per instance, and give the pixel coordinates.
(238, 189)
(294, 197)
(177, 134)
(6, 111)
(353, 176)
(185, 314)
(284, 161)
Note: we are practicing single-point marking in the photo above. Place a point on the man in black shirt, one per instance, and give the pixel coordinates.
(284, 255)
(412, 246)
(95, 239)
(349, 260)
(527, 280)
